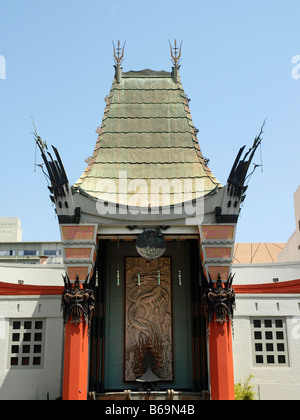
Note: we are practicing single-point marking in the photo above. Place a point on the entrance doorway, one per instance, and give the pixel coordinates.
(148, 317)
(152, 305)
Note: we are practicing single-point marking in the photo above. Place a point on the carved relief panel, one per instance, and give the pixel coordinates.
(148, 317)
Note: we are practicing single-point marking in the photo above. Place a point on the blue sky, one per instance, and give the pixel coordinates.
(236, 68)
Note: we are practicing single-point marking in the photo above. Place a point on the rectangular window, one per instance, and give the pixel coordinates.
(7, 253)
(269, 342)
(26, 343)
(52, 253)
(28, 253)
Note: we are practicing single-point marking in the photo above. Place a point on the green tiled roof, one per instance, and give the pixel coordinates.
(147, 133)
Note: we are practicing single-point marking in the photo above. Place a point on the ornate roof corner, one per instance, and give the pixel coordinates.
(239, 171)
(175, 58)
(118, 58)
(236, 188)
(60, 191)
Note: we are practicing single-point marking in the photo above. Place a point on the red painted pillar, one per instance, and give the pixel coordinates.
(80, 245)
(221, 361)
(75, 382)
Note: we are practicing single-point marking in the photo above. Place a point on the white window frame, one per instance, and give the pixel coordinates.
(25, 343)
(269, 342)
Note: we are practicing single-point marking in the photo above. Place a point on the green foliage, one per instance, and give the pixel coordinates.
(244, 391)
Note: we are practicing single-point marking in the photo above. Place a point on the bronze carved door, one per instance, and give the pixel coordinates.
(148, 317)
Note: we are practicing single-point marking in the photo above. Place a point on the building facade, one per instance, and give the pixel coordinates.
(10, 229)
(31, 252)
(147, 242)
(266, 328)
(266, 332)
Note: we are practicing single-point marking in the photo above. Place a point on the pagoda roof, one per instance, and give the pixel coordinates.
(147, 133)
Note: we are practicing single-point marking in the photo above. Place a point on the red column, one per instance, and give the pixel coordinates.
(80, 244)
(75, 382)
(221, 361)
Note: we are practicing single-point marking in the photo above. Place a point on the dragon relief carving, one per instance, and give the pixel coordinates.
(148, 347)
(78, 302)
(219, 300)
(148, 317)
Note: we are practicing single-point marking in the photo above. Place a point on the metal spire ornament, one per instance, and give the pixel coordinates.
(118, 57)
(175, 58)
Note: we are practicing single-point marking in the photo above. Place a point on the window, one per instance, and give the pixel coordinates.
(26, 343)
(269, 342)
(52, 253)
(7, 253)
(28, 252)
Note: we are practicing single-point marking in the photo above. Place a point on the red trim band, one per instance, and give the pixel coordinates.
(286, 287)
(9, 289)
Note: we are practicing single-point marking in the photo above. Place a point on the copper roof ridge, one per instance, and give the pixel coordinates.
(147, 73)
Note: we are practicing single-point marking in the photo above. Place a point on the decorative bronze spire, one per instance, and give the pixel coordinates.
(118, 56)
(175, 58)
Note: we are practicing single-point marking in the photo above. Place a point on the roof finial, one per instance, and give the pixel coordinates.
(176, 56)
(118, 56)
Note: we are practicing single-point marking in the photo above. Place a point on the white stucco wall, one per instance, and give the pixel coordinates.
(44, 275)
(35, 383)
(265, 273)
(271, 382)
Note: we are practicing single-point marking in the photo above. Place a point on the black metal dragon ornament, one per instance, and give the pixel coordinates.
(78, 302)
(219, 299)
